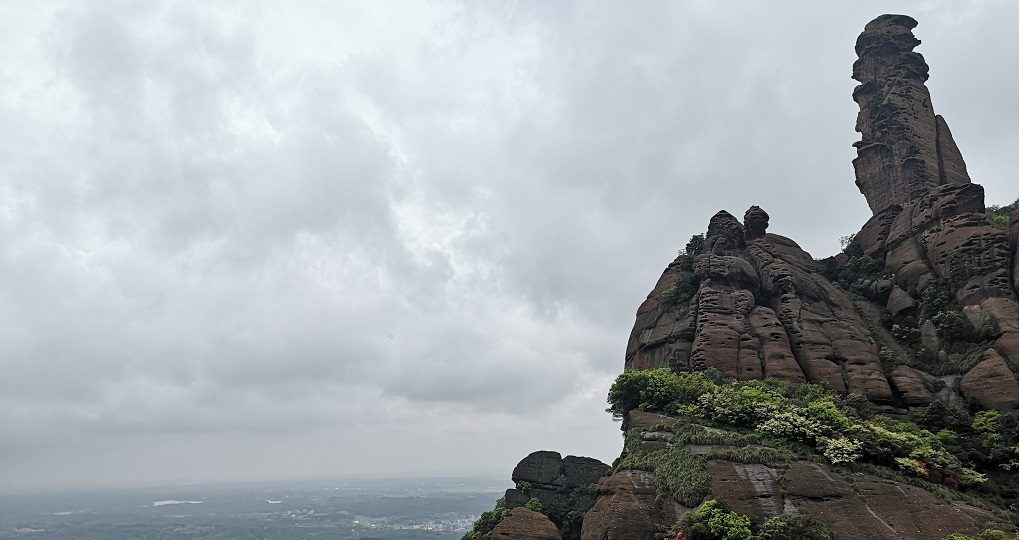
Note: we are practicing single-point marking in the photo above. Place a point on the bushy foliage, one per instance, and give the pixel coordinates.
(953, 326)
(751, 454)
(695, 245)
(656, 390)
(814, 416)
(840, 449)
(857, 269)
(935, 298)
(999, 215)
(683, 291)
(714, 520)
(679, 474)
(487, 521)
(534, 504)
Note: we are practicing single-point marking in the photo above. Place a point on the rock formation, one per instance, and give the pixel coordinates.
(919, 315)
(525, 524)
(754, 305)
(563, 488)
(906, 149)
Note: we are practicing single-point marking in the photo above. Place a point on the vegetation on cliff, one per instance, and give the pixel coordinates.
(715, 521)
(770, 421)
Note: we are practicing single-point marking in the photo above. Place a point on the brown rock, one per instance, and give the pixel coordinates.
(725, 234)
(627, 509)
(905, 148)
(912, 386)
(1013, 238)
(644, 421)
(525, 524)
(748, 488)
(899, 301)
(755, 223)
(553, 477)
(992, 383)
(873, 508)
(541, 467)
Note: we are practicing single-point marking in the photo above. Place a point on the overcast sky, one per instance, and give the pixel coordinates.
(261, 240)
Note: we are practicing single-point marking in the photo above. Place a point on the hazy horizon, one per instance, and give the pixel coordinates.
(261, 240)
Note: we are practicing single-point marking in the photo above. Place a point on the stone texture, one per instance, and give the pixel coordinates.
(557, 482)
(755, 223)
(763, 311)
(991, 383)
(627, 509)
(753, 304)
(525, 524)
(760, 307)
(905, 148)
(911, 385)
(873, 508)
(748, 488)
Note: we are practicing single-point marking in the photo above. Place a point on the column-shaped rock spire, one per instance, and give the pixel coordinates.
(905, 148)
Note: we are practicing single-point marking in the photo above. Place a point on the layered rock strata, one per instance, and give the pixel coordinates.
(754, 305)
(906, 149)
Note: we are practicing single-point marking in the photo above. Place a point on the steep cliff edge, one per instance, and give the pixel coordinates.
(930, 278)
(872, 394)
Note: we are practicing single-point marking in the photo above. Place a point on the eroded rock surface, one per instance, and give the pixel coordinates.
(565, 487)
(524, 524)
(628, 509)
(754, 305)
(906, 149)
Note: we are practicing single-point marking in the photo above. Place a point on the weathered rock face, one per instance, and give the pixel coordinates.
(562, 486)
(627, 509)
(862, 507)
(760, 310)
(906, 149)
(524, 524)
(754, 305)
(920, 308)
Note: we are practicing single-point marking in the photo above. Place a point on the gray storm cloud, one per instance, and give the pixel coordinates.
(253, 240)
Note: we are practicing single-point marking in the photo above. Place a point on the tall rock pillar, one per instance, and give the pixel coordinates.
(905, 148)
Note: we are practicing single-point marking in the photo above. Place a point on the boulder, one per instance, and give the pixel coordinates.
(525, 524)
(628, 509)
(912, 386)
(991, 383)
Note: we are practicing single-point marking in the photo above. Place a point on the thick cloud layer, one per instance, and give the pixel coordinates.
(264, 240)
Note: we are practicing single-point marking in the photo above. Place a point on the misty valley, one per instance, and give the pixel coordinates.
(406, 509)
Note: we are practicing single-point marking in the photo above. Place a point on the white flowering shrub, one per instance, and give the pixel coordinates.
(839, 449)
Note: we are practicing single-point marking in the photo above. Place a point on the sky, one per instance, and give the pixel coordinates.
(285, 240)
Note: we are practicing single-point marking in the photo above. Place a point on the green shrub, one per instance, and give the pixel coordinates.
(935, 298)
(1000, 216)
(655, 390)
(751, 454)
(534, 504)
(840, 449)
(487, 522)
(679, 474)
(714, 521)
(745, 404)
(695, 245)
(953, 326)
(683, 291)
(792, 425)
